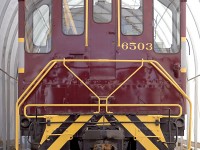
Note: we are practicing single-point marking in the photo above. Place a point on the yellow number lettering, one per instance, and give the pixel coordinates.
(125, 46)
(141, 46)
(137, 46)
(149, 46)
(132, 46)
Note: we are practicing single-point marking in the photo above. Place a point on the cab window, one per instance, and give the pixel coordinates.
(41, 25)
(131, 17)
(38, 26)
(102, 11)
(166, 26)
(73, 17)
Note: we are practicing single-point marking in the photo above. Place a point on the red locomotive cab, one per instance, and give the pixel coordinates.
(101, 74)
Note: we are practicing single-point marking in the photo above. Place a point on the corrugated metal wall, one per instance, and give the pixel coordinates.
(9, 62)
(193, 63)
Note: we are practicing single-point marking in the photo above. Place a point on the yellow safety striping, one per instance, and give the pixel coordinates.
(135, 131)
(183, 39)
(183, 70)
(21, 70)
(103, 122)
(50, 128)
(153, 127)
(20, 40)
(69, 132)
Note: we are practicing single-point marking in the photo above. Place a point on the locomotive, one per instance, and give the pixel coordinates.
(101, 74)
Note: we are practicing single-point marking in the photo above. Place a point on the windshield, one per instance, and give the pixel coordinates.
(38, 26)
(131, 17)
(102, 11)
(73, 17)
(166, 26)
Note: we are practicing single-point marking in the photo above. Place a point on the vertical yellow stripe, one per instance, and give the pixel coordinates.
(49, 129)
(135, 131)
(119, 25)
(69, 132)
(86, 22)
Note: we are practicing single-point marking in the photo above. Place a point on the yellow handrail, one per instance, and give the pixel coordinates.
(86, 22)
(50, 65)
(122, 85)
(21, 99)
(118, 24)
(37, 77)
(103, 105)
(83, 83)
(169, 78)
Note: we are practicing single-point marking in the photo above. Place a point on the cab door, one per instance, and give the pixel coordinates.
(102, 37)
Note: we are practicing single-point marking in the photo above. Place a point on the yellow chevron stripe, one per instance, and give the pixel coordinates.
(103, 121)
(49, 129)
(135, 131)
(153, 127)
(69, 132)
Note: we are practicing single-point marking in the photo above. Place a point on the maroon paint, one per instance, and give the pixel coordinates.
(59, 86)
